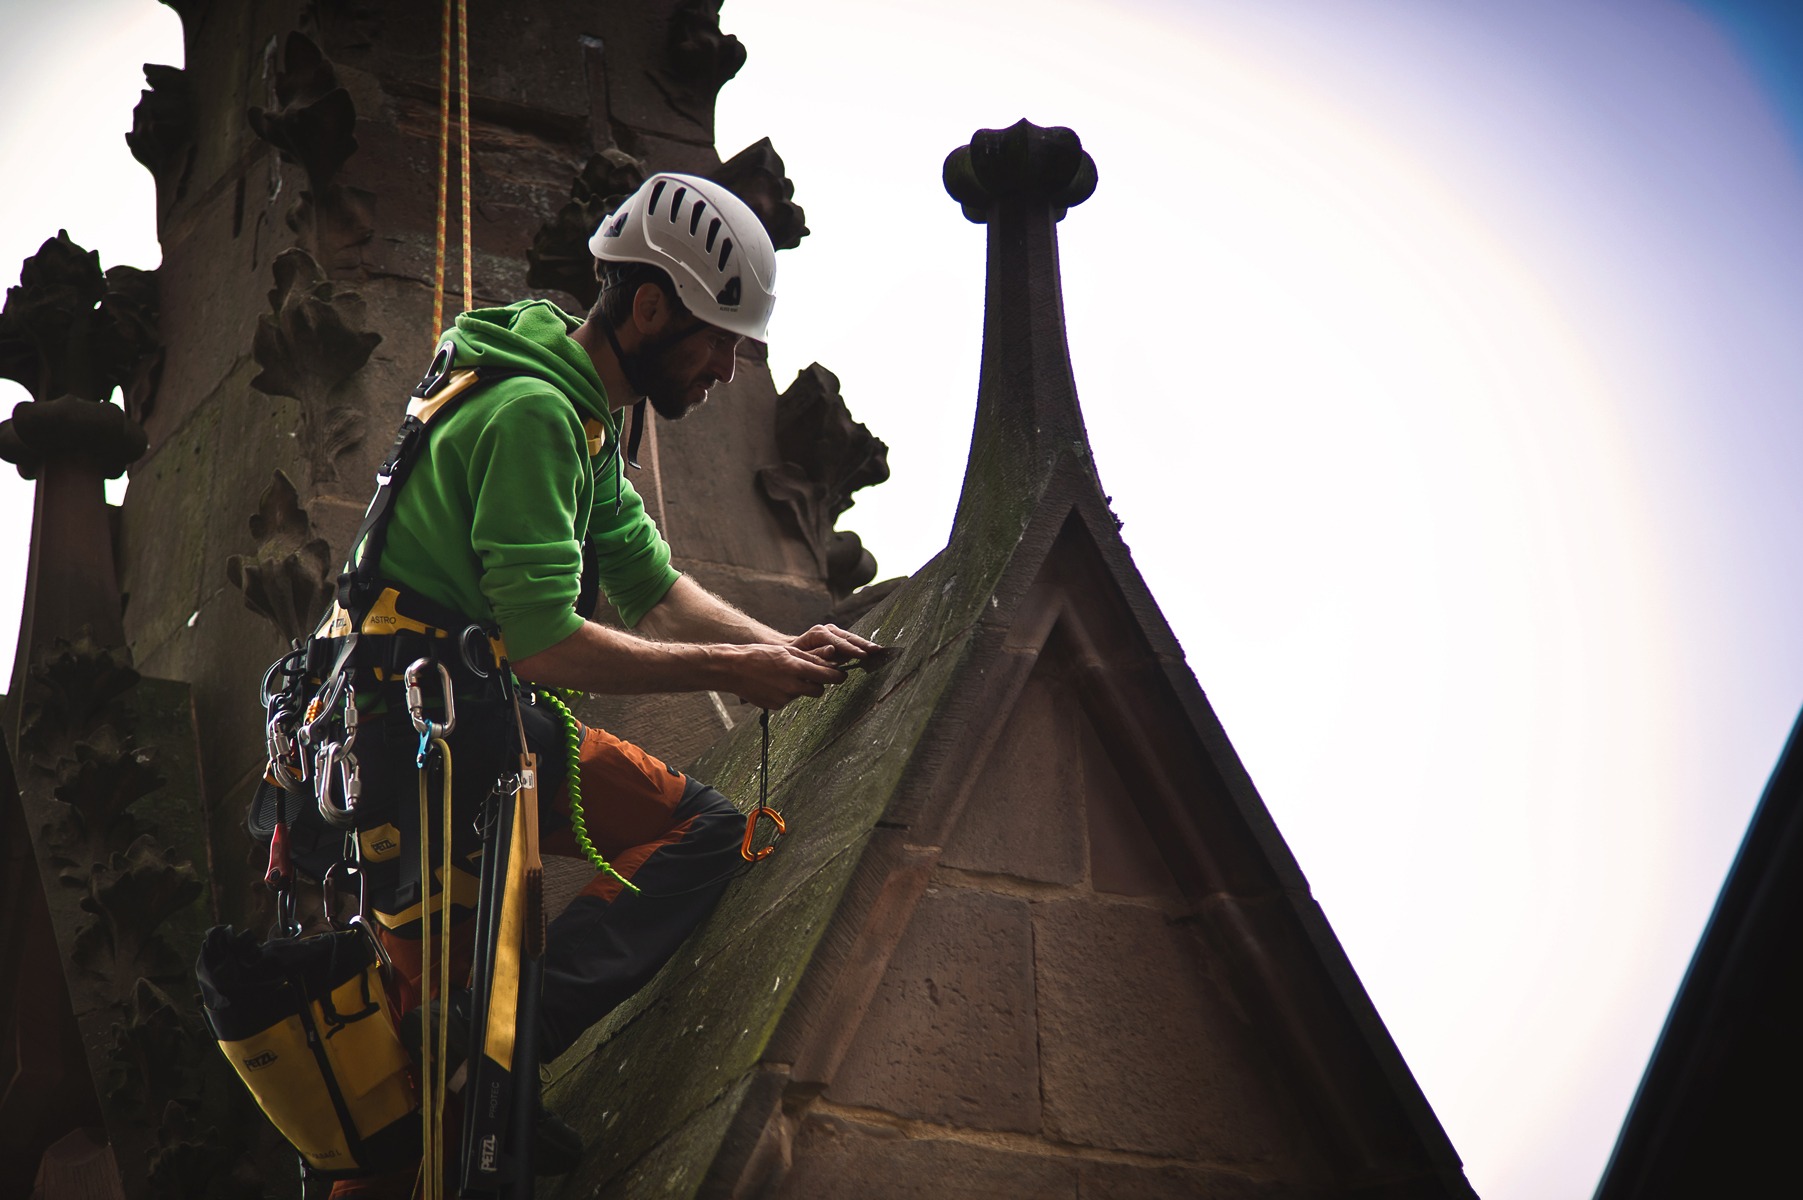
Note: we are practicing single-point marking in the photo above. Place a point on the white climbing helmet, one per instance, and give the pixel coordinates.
(708, 240)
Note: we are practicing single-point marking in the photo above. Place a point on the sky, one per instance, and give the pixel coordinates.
(1439, 359)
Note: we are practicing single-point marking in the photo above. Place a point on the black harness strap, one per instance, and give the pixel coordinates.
(358, 585)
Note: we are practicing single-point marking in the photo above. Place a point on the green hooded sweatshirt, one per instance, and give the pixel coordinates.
(493, 518)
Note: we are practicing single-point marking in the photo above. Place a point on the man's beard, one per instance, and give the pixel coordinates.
(666, 392)
(671, 406)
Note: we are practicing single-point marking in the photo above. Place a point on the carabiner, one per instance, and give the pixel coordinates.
(350, 784)
(416, 705)
(319, 709)
(280, 743)
(349, 720)
(287, 923)
(751, 825)
(280, 879)
(329, 893)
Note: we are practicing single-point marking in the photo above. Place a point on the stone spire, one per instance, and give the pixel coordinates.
(1020, 182)
(71, 333)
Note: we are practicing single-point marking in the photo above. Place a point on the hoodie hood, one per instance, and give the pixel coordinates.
(534, 335)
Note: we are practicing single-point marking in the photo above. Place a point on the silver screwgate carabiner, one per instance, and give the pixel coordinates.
(429, 731)
(333, 754)
(350, 785)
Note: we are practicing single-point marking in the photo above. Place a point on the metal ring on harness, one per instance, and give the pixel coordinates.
(471, 658)
(416, 706)
(441, 366)
(298, 657)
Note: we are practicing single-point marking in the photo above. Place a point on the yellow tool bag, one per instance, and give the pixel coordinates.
(307, 1025)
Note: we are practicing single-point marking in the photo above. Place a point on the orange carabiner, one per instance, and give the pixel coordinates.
(751, 826)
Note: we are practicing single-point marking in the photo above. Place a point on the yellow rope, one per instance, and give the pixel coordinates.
(463, 130)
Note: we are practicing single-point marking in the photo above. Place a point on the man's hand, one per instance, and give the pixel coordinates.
(771, 676)
(835, 645)
(701, 643)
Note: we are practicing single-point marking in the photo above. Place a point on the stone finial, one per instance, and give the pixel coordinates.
(826, 457)
(559, 257)
(757, 176)
(1023, 164)
(314, 128)
(309, 343)
(71, 329)
(1020, 182)
(699, 52)
(289, 577)
(70, 333)
(162, 125)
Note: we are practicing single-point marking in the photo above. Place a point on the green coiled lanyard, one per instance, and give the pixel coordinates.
(573, 750)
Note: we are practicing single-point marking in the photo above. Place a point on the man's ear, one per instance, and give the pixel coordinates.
(650, 307)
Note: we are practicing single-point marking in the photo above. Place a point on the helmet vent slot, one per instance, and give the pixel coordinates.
(656, 191)
(713, 232)
(676, 204)
(725, 252)
(695, 216)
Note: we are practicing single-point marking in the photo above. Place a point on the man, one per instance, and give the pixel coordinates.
(516, 487)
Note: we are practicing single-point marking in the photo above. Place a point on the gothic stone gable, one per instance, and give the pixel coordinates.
(1033, 932)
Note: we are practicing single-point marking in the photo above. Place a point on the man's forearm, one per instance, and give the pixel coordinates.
(690, 613)
(598, 658)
